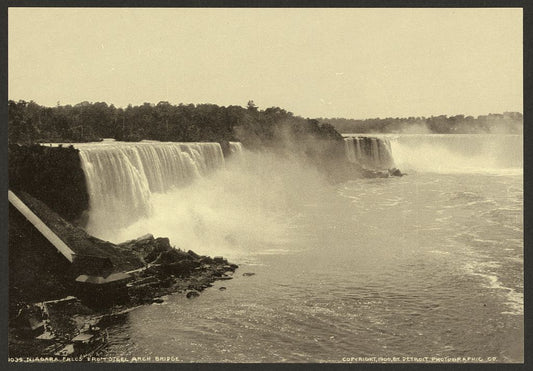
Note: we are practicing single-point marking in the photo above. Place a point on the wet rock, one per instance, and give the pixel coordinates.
(206, 260)
(179, 268)
(158, 301)
(395, 172)
(171, 256)
(222, 288)
(192, 294)
(193, 254)
(198, 284)
(147, 247)
(219, 259)
(145, 280)
(367, 173)
(141, 291)
(167, 282)
(147, 299)
(152, 270)
(220, 269)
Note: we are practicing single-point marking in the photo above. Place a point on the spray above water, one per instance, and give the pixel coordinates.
(191, 194)
(122, 177)
(201, 201)
(457, 153)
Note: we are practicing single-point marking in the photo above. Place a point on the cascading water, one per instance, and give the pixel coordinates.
(369, 152)
(457, 153)
(235, 147)
(131, 184)
(162, 188)
(121, 177)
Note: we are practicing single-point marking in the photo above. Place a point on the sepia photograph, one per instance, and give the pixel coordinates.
(265, 185)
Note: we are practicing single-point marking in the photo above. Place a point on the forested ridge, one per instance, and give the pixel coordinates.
(508, 122)
(30, 122)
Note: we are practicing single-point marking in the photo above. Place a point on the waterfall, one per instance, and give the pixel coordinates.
(235, 147)
(236, 153)
(121, 177)
(458, 153)
(374, 153)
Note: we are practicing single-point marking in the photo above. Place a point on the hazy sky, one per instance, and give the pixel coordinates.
(355, 63)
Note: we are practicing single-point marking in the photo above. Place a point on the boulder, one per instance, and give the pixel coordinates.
(147, 247)
(171, 256)
(395, 172)
(206, 260)
(192, 294)
(179, 268)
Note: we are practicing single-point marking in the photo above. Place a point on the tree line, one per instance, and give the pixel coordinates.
(30, 123)
(508, 122)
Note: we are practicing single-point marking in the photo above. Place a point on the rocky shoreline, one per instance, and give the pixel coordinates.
(171, 270)
(52, 329)
(60, 309)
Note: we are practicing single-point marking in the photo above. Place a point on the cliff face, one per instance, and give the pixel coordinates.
(51, 174)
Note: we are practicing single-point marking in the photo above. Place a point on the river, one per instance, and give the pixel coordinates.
(425, 265)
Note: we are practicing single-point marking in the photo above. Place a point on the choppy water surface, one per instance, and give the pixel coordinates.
(427, 265)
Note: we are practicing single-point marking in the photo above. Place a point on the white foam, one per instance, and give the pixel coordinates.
(514, 299)
(458, 153)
